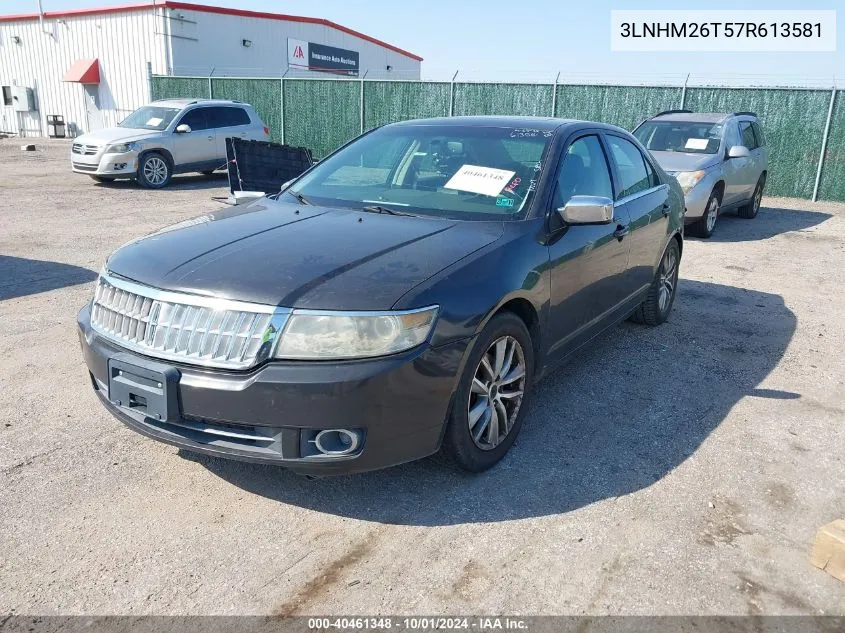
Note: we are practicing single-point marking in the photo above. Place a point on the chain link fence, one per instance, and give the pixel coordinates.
(805, 127)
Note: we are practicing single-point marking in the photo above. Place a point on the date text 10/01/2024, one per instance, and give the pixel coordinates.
(419, 623)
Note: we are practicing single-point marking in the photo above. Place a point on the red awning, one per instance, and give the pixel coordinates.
(84, 71)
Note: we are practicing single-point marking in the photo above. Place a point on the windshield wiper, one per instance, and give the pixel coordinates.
(377, 208)
(302, 199)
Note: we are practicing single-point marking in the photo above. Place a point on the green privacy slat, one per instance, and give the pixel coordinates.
(832, 184)
(263, 94)
(321, 115)
(504, 99)
(389, 101)
(624, 106)
(793, 122)
(179, 87)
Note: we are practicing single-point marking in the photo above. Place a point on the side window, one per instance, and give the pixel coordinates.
(630, 165)
(227, 117)
(653, 180)
(583, 172)
(197, 119)
(747, 133)
(732, 135)
(758, 133)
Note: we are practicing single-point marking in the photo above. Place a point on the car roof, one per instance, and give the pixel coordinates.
(531, 122)
(701, 117)
(182, 103)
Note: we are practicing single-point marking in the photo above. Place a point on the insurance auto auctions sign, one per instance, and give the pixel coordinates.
(322, 58)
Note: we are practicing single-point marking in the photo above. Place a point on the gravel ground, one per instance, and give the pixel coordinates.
(678, 470)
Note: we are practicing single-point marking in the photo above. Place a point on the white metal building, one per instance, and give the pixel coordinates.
(92, 66)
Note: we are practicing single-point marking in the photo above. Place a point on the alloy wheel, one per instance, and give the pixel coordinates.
(712, 213)
(668, 280)
(155, 170)
(758, 198)
(497, 391)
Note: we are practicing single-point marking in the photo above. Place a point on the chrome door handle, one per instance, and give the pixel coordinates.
(210, 138)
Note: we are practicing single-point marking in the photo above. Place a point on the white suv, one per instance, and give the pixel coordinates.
(164, 138)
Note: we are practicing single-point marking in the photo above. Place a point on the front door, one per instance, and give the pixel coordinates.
(93, 116)
(198, 147)
(588, 262)
(640, 193)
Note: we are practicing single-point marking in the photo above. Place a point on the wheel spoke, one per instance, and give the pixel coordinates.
(501, 349)
(504, 422)
(510, 394)
(478, 386)
(493, 427)
(477, 411)
(517, 373)
(482, 426)
(485, 364)
(508, 358)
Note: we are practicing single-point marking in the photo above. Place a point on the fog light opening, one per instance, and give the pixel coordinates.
(337, 442)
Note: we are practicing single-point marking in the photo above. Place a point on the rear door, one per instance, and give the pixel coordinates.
(200, 144)
(644, 199)
(230, 121)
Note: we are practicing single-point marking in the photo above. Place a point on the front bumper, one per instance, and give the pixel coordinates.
(696, 199)
(399, 403)
(114, 165)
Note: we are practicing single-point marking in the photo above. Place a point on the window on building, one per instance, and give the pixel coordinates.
(7, 95)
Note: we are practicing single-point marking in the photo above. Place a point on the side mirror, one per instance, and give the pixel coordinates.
(183, 128)
(587, 210)
(285, 185)
(738, 151)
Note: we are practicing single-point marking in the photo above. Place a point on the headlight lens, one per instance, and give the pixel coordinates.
(311, 335)
(689, 179)
(121, 148)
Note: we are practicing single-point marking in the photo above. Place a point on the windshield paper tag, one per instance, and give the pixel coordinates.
(697, 143)
(487, 181)
(154, 121)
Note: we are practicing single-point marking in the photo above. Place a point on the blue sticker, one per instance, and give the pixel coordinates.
(504, 202)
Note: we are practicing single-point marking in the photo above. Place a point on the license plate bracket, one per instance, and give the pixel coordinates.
(145, 388)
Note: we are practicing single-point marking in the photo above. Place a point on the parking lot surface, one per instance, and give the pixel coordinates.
(683, 469)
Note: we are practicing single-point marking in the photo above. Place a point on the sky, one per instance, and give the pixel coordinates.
(533, 40)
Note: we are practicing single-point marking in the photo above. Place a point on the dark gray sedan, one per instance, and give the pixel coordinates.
(399, 297)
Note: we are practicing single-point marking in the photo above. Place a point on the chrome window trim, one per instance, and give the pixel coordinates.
(365, 313)
(639, 194)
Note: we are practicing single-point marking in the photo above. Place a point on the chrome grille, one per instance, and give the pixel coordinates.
(85, 150)
(186, 328)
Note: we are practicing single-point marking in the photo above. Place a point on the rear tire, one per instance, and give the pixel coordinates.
(661, 294)
(491, 398)
(705, 225)
(749, 211)
(154, 171)
(103, 178)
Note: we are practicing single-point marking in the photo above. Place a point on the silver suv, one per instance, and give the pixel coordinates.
(167, 137)
(720, 161)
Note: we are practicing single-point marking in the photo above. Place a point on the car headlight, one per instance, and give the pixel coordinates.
(317, 335)
(121, 148)
(689, 179)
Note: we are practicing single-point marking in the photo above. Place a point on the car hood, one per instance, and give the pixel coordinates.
(114, 135)
(301, 256)
(679, 161)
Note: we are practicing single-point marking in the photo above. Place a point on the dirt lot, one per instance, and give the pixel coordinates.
(677, 470)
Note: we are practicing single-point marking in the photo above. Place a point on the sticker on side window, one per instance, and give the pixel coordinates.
(697, 143)
(487, 181)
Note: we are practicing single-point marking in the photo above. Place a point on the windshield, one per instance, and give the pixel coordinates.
(459, 172)
(150, 118)
(680, 136)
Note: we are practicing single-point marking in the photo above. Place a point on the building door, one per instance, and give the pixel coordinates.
(93, 116)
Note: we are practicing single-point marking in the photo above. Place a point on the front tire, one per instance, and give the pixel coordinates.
(705, 226)
(154, 171)
(750, 210)
(661, 294)
(490, 401)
